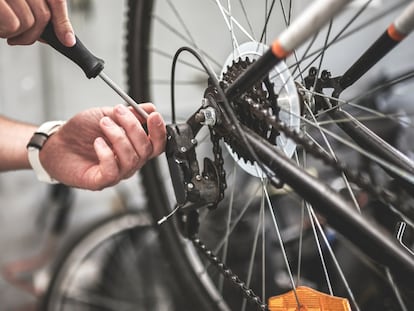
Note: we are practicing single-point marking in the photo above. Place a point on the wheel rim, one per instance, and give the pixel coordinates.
(104, 270)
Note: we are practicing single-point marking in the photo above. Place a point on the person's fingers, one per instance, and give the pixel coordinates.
(157, 133)
(61, 23)
(128, 159)
(156, 128)
(9, 23)
(148, 107)
(23, 20)
(108, 168)
(136, 134)
(42, 15)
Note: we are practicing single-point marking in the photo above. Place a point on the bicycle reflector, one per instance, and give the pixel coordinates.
(305, 299)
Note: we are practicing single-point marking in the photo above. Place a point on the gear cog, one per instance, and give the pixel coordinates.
(276, 95)
(261, 97)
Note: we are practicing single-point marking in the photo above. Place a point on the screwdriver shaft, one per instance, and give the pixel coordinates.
(124, 95)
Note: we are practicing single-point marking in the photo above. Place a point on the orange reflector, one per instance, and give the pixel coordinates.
(310, 300)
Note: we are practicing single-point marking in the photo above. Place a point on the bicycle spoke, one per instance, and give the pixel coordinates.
(287, 23)
(99, 301)
(336, 39)
(182, 23)
(267, 18)
(395, 289)
(227, 232)
(332, 153)
(282, 247)
(338, 267)
(320, 253)
(236, 220)
(247, 18)
(229, 23)
(259, 229)
(405, 175)
(168, 56)
(408, 75)
(177, 33)
(241, 28)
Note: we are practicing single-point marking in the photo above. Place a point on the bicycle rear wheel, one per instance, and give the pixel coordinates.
(246, 228)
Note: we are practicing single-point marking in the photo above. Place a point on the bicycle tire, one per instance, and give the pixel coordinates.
(103, 269)
(144, 85)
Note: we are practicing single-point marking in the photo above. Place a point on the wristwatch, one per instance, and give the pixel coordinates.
(35, 145)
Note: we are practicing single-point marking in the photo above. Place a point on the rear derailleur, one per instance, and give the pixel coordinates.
(195, 188)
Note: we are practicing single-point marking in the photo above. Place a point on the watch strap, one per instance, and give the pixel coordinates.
(36, 143)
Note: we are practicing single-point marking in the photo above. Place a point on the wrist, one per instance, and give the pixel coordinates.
(36, 144)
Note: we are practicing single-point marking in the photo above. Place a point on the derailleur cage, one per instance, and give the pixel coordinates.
(193, 189)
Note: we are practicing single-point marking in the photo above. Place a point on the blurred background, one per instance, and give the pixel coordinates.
(37, 84)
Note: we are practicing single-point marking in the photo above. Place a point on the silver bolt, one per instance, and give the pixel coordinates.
(207, 116)
(198, 177)
(190, 186)
(183, 149)
(194, 141)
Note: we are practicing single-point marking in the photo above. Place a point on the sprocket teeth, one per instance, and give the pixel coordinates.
(250, 106)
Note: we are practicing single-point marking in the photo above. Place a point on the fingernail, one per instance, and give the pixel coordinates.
(121, 109)
(100, 141)
(158, 120)
(107, 122)
(70, 39)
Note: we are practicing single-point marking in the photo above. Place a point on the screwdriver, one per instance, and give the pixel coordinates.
(91, 65)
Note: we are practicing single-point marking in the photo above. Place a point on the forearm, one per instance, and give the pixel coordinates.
(14, 137)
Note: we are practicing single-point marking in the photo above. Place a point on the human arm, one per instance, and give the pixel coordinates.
(95, 149)
(23, 21)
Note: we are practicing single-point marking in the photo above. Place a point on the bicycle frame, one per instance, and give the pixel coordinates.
(337, 211)
(306, 26)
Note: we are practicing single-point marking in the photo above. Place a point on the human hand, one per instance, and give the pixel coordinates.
(101, 146)
(23, 21)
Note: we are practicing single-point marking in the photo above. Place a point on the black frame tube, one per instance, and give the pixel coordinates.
(371, 56)
(368, 237)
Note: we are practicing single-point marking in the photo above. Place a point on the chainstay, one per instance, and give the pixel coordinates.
(229, 274)
(360, 179)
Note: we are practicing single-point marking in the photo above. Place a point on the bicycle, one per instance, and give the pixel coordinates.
(265, 119)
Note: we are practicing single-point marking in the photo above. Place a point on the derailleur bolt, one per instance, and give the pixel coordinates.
(206, 116)
(194, 141)
(190, 186)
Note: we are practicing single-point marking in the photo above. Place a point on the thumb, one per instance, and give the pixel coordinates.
(60, 19)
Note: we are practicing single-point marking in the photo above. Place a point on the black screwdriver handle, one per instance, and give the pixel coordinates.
(78, 53)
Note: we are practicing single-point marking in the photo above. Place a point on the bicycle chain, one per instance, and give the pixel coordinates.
(357, 177)
(229, 274)
(219, 162)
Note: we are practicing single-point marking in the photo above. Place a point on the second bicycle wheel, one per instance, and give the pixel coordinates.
(116, 264)
(271, 238)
